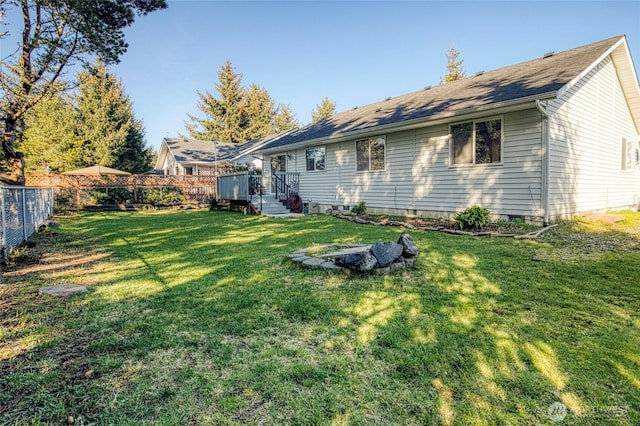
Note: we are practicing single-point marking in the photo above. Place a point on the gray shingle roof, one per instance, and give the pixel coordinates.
(193, 151)
(536, 77)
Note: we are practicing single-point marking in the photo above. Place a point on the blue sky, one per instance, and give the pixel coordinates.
(355, 52)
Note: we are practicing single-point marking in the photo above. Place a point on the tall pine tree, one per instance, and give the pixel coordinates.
(239, 114)
(455, 71)
(257, 110)
(55, 35)
(222, 116)
(49, 136)
(107, 132)
(326, 108)
(284, 119)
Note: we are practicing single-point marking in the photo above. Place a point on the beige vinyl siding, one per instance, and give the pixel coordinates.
(417, 175)
(587, 126)
(169, 164)
(510, 188)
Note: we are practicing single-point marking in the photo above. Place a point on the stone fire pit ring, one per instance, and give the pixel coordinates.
(381, 258)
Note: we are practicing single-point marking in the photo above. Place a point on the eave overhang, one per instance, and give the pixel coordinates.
(512, 105)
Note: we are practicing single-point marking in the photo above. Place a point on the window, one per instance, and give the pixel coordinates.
(370, 154)
(315, 158)
(626, 155)
(188, 170)
(477, 142)
(278, 164)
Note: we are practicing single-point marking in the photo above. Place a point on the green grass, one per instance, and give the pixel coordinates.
(198, 317)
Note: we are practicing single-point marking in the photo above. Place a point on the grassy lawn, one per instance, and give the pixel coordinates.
(198, 317)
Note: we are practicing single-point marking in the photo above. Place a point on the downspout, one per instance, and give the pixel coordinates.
(546, 160)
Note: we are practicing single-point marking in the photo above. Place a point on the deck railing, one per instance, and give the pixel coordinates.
(241, 186)
(233, 186)
(286, 184)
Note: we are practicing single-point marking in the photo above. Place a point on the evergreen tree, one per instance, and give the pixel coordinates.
(222, 116)
(455, 71)
(258, 111)
(55, 34)
(49, 136)
(326, 108)
(284, 119)
(240, 114)
(106, 131)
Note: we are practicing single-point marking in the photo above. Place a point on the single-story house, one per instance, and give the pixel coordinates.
(180, 156)
(553, 137)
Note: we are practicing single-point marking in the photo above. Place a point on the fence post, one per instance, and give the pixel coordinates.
(24, 213)
(3, 243)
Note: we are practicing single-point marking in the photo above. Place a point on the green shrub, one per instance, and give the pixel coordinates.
(64, 200)
(157, 196)
(359, 209)
(101, 196)
(474, 217)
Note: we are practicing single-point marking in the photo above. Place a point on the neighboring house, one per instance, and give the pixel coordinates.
(180, 156)
(540, 140)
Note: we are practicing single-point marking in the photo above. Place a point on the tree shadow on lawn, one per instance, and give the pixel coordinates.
(218, 324)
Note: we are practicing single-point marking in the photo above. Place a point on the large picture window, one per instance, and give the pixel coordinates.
(370, 154)
(316, 158)
(477, 142)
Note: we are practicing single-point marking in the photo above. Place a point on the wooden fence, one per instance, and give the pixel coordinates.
(86, 190)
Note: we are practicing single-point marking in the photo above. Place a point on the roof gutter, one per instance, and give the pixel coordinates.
(499, 107)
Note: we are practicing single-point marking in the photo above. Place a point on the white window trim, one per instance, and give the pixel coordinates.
(452, 165)
(325, 159)
(628, 155)
(355, 146)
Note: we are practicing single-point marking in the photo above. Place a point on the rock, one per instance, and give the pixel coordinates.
(386, 253)
(300, 259)
(299, 253)
(362, 262)
(399, 263)
(330, 266)
(63, 290)
(313, 262)
(382, 271)
(410, 249)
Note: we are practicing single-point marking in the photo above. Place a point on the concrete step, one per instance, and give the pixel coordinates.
(270, 205)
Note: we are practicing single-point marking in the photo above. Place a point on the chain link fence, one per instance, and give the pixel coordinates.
(22, 211)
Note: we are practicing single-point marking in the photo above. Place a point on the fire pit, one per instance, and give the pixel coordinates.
(378, 258)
